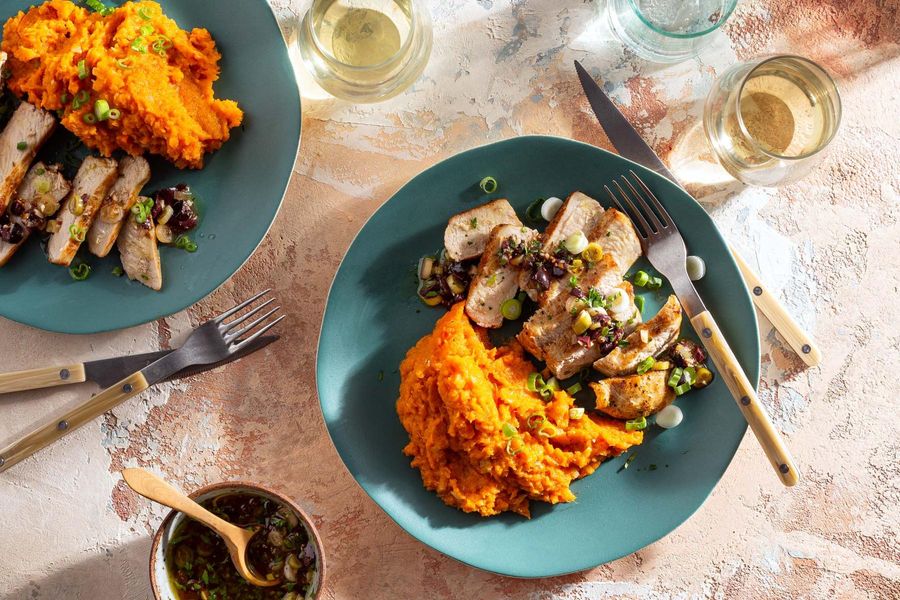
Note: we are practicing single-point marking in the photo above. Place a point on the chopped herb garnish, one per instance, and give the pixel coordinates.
(474, 223)
(22, 146)
(117, 272)
(99, 7)
(184, 243)
(573, 281)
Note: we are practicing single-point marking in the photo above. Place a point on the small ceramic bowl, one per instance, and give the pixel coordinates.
(159, 575)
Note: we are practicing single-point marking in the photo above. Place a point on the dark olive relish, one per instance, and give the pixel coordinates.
(201, 568)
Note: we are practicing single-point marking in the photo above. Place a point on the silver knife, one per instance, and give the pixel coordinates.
(106, 371)
(632, 146)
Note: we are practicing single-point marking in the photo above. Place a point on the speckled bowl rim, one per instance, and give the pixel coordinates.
(213, 487)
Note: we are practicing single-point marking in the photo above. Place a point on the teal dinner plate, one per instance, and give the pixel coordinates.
(240, 188)
(373, 317)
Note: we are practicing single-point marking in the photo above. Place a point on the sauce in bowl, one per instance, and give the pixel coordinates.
(201, 567)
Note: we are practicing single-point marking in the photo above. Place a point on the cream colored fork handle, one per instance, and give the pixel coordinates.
(34, 379)
(778, 315)
(52, 430)
(745, 396)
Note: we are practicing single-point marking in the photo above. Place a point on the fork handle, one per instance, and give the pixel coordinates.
(50, 431)
(746, 398)
(778, 315)
(34, 379)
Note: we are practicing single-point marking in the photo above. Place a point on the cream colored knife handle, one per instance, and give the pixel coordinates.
(789, 329)
(745, 396)
(34, 379)
(51, 431)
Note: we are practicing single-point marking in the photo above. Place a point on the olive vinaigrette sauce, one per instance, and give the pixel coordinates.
(201, 568)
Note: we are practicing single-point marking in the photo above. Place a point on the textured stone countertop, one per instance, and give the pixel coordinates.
(828, 246)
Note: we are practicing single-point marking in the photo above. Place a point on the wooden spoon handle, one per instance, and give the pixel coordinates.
(745, 396)
(34, 379)
(778, 315)
(157, 489)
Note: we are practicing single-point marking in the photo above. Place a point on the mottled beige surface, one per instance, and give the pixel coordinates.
(828, 245)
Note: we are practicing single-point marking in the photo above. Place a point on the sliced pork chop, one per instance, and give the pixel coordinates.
(467, 233)
(579, 212)
(548, 334)
(634, 396)
(140, 253)
(24, 134)
(134, 173)
(494, 283)
(616, 235)
(37, 199)
(92, 182)
(661, 332)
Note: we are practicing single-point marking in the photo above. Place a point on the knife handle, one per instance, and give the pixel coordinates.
(778, 315)
(53, 430)
(33, 379)
(745, 396)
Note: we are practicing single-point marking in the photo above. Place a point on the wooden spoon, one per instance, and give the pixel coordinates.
(236, 539)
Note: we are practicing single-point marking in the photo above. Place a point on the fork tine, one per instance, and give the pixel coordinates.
(233, 336)
(226, 327)
(234, 309)
(640, 198)
(619, 206)
(659, 207)
(643, 227)
(243, 343)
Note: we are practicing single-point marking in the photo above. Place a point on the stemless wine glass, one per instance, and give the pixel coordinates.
(667, 31)
(768, 120)
(366, 50)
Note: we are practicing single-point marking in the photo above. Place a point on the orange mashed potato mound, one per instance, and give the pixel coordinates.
(139, 61)
(458, 394)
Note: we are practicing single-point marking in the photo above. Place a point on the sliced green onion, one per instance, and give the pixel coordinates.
(185, 243)
(144, 13)
(645, 365)
(682, 389)
(533, 212)
(22, 146)
(576, 243)
(83, 70)
(42, 186)
(576, 412)
(535, 421)
(552, 385)
(161, 45)
(675, 377)
(640, 279)
(115, 114)
(636, 424)
(76, 233)
(488, 185)
(139, 45)
(80, 272)
(80, 99)
(64, 99)
(141, 210)
(511, 309)
(689, 376)
(99, 7)
(146, 30)
(123, 63)
(510, 450)
(117, 272)
(655, 283)
(548, 431)
(101, 109)
(639, 303)
(89, 118)
(508, 430)
(573, 389)
(535, 382)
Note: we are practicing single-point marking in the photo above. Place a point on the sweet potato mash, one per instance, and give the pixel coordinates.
(480, 439)
(129, 79)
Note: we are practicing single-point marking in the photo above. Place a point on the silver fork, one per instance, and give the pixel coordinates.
(664, 247)
(214, 341)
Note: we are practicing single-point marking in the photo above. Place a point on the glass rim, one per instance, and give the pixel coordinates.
(404, 47)
(835, 101)
(684, 36)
